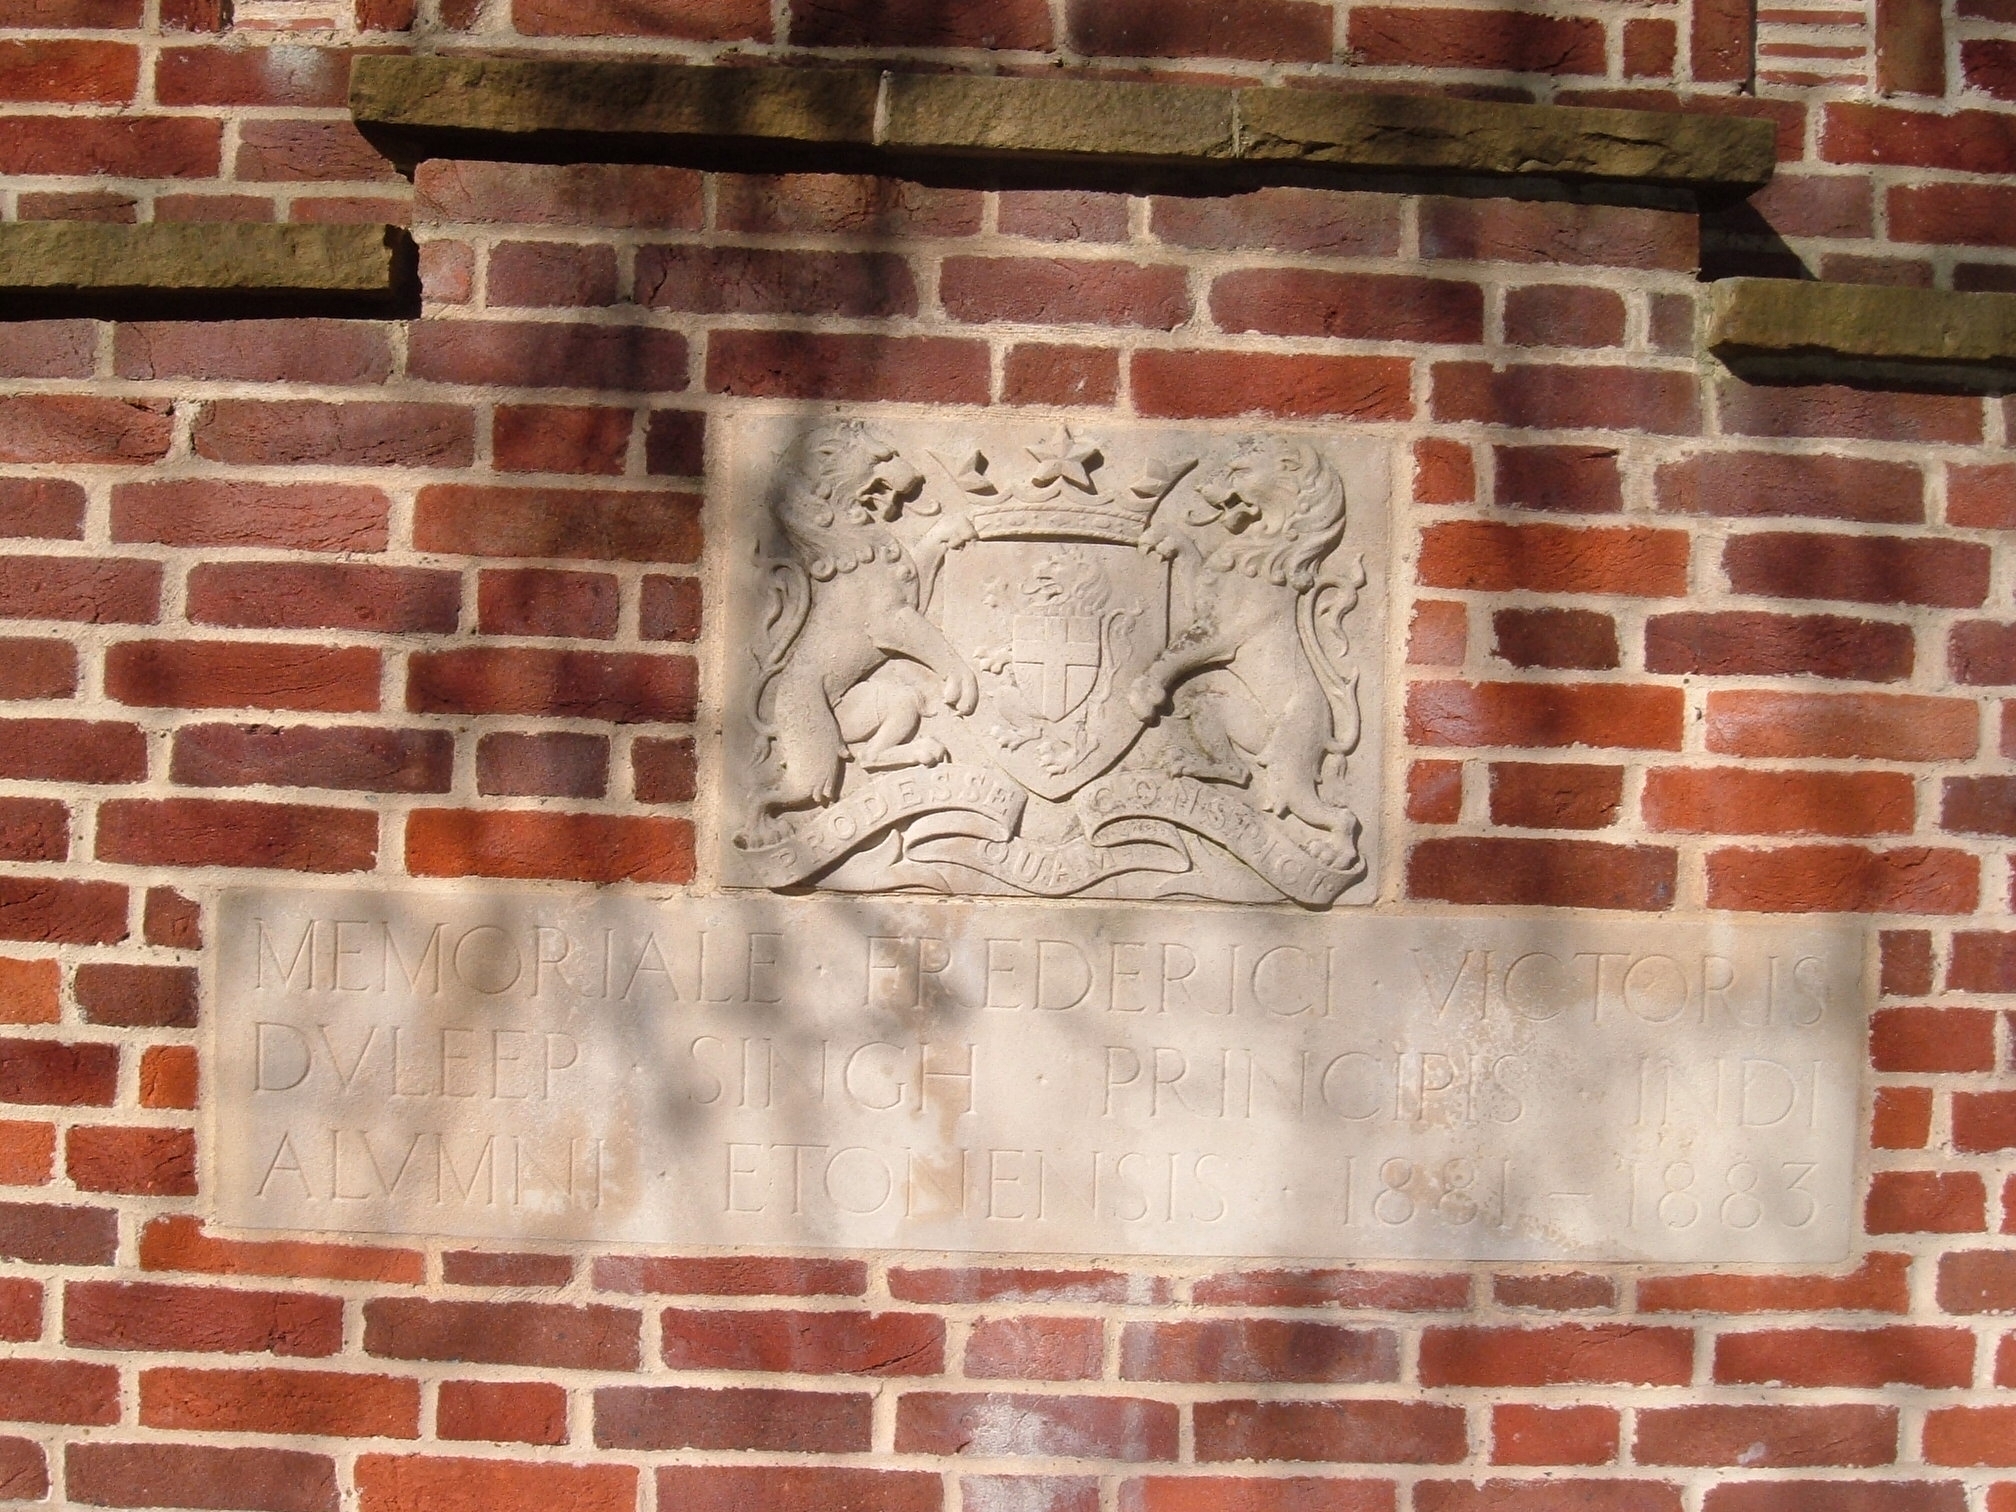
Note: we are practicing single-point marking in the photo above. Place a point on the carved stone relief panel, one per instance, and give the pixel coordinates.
(1030, 659)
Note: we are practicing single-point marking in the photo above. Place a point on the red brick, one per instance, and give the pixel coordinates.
(310, 151)
(34, 829)
(199, 1475)
(545, 354)
(1565, 1353)
(811, 365)
(1356, 306)
(604, 196)
(447, 272)
(95, 591)
(1861, 569)
(1989, 65)
(1978, 1281)
(305, 432)
(557, 764)
(1491, 556)
(1901, 1118)
(1867, 1358)
(669, 609)
(48, 349)
(169, 1077)
(1064, 291)
(1983, 961)
(58, 1391)
(1906, 961)
(1063, 215)
(1536, 795)
(1452, 713)
(772, 281)
(485, 1268)
(255, 351)
(556, 438)
(1541, 397)
(127, 147)
(213, 512)
(1000, 1423)
(1949, 214)
(541, 1335)
(519, 843)
(733, 1276)
(1010, 24)
(502, 1412)
(665, 770)
(1328, 222)
(542, 601)
(1836, 1496)
(531, 275)
(49, 509)
(1971, 1436)
(1360, 1431)
(627, 688)
(37, 668)
(136, 1162)
(179, 1244)
(28, 991)
(1749, 643)
(216, 832)
(213, 207)
(1984, 496)
(1567, 315)
(1737, 801)
(1551, 873)
(1435, 792)
(108, 15)
(1049, 374)
(280, 1401)
(1549, 1495)
(324, 596)
(1857, 414)
(1002, 1284)
(1550, 231)
(1910, 39)
(1932, 1039)
(37, 1233)
(810, 1343)
(27, 1152)
(1256, 1349)
(1568, 479)
(1984, 1122)
(40, 428)
(1204, 384)
(778, 1488)
(347, 758)
(1438, 634)
(1767, 1438)
(53, 1074)
(1444, 472)
(1035, 1349)
(1875, 726)
(213, 1320)
(1513, 41)
(196, 15)
(1268, 31)
(745, 1418)
(72, 750)
(1582, 639)
(1844, 878)
(279, 75)
(1756, 484)
(132, 997)
(704, 21)
(675, 444)
(1970, 141)
(843, 204)
(577, 524)
(1651, 48)
(244, 675)
(53, 912)
(1216, 1493)
(1524, 1433)
(1982, 653)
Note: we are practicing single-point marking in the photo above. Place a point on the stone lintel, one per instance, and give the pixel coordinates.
(66, 261)
(526, 104)
(1863, 322)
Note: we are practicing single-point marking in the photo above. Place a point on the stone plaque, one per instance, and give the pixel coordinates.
(1037, 1078)
(986, 658)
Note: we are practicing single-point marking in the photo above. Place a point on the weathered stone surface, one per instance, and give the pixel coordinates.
(945, 112)
(1424, 133)
(771, 1073)
(1865, 321)
(529, 97)
(92, 256)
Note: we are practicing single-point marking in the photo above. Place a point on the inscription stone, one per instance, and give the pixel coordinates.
(1042, 1078)
(987, 659)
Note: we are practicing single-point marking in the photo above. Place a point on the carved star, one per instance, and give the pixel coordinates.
(1064, 458)
(1160, 476)
(973, 476)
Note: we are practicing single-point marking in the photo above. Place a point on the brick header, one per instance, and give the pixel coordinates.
(417, 107)
(1863, 322)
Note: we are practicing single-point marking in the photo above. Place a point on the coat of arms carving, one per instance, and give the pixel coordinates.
(1053, 661)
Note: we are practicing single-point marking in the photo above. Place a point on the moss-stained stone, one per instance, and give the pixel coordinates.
(950, 113)
(1760, 316)
(85, 257)
(1419, 133)
(527, 97)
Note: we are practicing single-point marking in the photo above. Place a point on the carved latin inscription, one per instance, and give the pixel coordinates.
(1002, 659)
(1059, 1078)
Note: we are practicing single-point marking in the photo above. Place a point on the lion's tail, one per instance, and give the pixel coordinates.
(787, 592)
(1326, 604)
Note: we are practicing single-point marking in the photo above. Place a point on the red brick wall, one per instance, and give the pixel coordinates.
(382, 599)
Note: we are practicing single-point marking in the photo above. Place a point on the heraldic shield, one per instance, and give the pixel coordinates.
(1043, 661)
